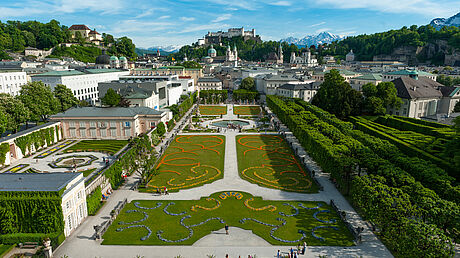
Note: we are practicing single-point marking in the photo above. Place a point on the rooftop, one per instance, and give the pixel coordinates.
(370, 77)
(409, 88)
(106, 112)
(209, 79)
(51, 182)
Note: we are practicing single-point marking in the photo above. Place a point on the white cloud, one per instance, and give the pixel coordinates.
(187, 18)
(428, 8)
(322, 30)
(204, 27)
(106, 7)
(317, 24)
(222, 18)
(281, 3)
(145, 13)
(129, 26)
(164, 17)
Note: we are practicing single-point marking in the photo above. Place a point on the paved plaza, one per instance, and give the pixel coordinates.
(239, 243)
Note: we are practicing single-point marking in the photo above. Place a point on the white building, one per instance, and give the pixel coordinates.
(73, 198)
(304, 91)
(272, 82)
(305, 59)
(82, 84)
(350, 57)
(407, 73)
(209, 83)
(11, 82)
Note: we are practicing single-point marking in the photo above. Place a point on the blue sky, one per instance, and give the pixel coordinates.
(162, 23)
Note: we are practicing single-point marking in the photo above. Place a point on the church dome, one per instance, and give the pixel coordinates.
(113, 58)
(103, 59)
(122, 58)
(212, 51)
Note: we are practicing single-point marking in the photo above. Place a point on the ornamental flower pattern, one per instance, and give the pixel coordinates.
(318, 227)
(170, 213)
(289, 215)
(324, 221)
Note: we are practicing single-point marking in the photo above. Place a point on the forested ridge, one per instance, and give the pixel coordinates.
(15, 36)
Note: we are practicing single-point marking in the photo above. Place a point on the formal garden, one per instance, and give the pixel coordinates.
(212, 110)
(189, 161)
(106, 146)
(246, 110)
(268, 161)
(183, 222)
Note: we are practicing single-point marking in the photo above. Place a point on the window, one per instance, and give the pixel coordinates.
(80, 209)
(93, 133)
(102, 124)
(69, 220)
(103, 132)
(128, 132)
(82, 124)
(73, 133)
(113, 132)
(152, 124)
(127, 124)
(68, 205)
(79, 195)
(71, 124)
(113, 124)
(92, 124)
(82, 132)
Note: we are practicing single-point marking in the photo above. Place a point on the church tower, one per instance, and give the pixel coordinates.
(235, 53)
(280, 55)
(292, 60)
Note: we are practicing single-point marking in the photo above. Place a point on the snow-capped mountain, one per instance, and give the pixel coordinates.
(171, 48)
(323, 37)
(438, 23)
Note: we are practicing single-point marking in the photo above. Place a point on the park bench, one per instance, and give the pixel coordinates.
(30, 245)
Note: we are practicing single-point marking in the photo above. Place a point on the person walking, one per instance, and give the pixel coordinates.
(292, 252)
(226, 229)
(278, 255)
(304, 249)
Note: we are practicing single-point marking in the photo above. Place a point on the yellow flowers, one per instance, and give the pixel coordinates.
(194, 207)
(237, 195)
(268, 207)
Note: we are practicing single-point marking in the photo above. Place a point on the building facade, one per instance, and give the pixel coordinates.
(84, 85)
(11, 82)
(209, 83)
(108, 123)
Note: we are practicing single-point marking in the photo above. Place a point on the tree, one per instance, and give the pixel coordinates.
(83, 103)
(111, 98)
(79, 38)
(337, 96)
(161, 129)
(248, 83)
(389, 95)
(3, 121)
(40, 100)
(15, 111)
(65, 97)
(375, 105)
(457, 107)
(369, 90)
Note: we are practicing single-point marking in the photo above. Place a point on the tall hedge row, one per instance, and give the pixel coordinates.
(408, 125)
(335, 151)
(93, 201)
(187, 104)
(36, 139)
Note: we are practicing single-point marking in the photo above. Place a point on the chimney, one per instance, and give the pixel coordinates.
(415, 88)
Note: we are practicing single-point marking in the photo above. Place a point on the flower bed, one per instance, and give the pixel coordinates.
(213, 110)
(247, 110)
(183, 222)
(66, 162)
(189, 161)
(54, 149)
(16, 168)
(105, 146)
(268, 161)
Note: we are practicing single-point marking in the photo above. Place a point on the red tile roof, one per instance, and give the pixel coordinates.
(94, 32)
(79, 27)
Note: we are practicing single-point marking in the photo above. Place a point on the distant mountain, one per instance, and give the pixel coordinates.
(439, 23)
(323, 37)
(164, 51)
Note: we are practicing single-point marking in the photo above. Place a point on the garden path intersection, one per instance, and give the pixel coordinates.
(239, 241)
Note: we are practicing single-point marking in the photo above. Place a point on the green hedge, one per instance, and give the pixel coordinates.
(93, 201)
(407, 125)
(335, 149)
(407, 148)
(187, 104)
(31, 212)
(423, 122)
(4, 148)
(36, 139)
(4, 249)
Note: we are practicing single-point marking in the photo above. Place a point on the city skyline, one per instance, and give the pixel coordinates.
(162, 23)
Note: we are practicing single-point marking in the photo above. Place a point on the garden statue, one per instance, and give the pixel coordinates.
(48, 249)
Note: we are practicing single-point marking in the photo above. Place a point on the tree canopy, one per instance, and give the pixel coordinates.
(65, 97)
(111, 98)
(248, 83)
(15, 111)
(40, 100)
(379, 97)
(337, 96)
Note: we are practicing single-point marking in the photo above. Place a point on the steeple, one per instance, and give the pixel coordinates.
(280, 53)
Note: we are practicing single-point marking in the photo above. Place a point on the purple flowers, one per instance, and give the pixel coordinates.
(324, 221)
(318, 227)
(137, 204)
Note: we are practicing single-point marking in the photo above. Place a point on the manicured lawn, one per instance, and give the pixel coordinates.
(213, 110)
(190, 161)
(107, 146)
(246, 110)
(268, 161)
(181, 222)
